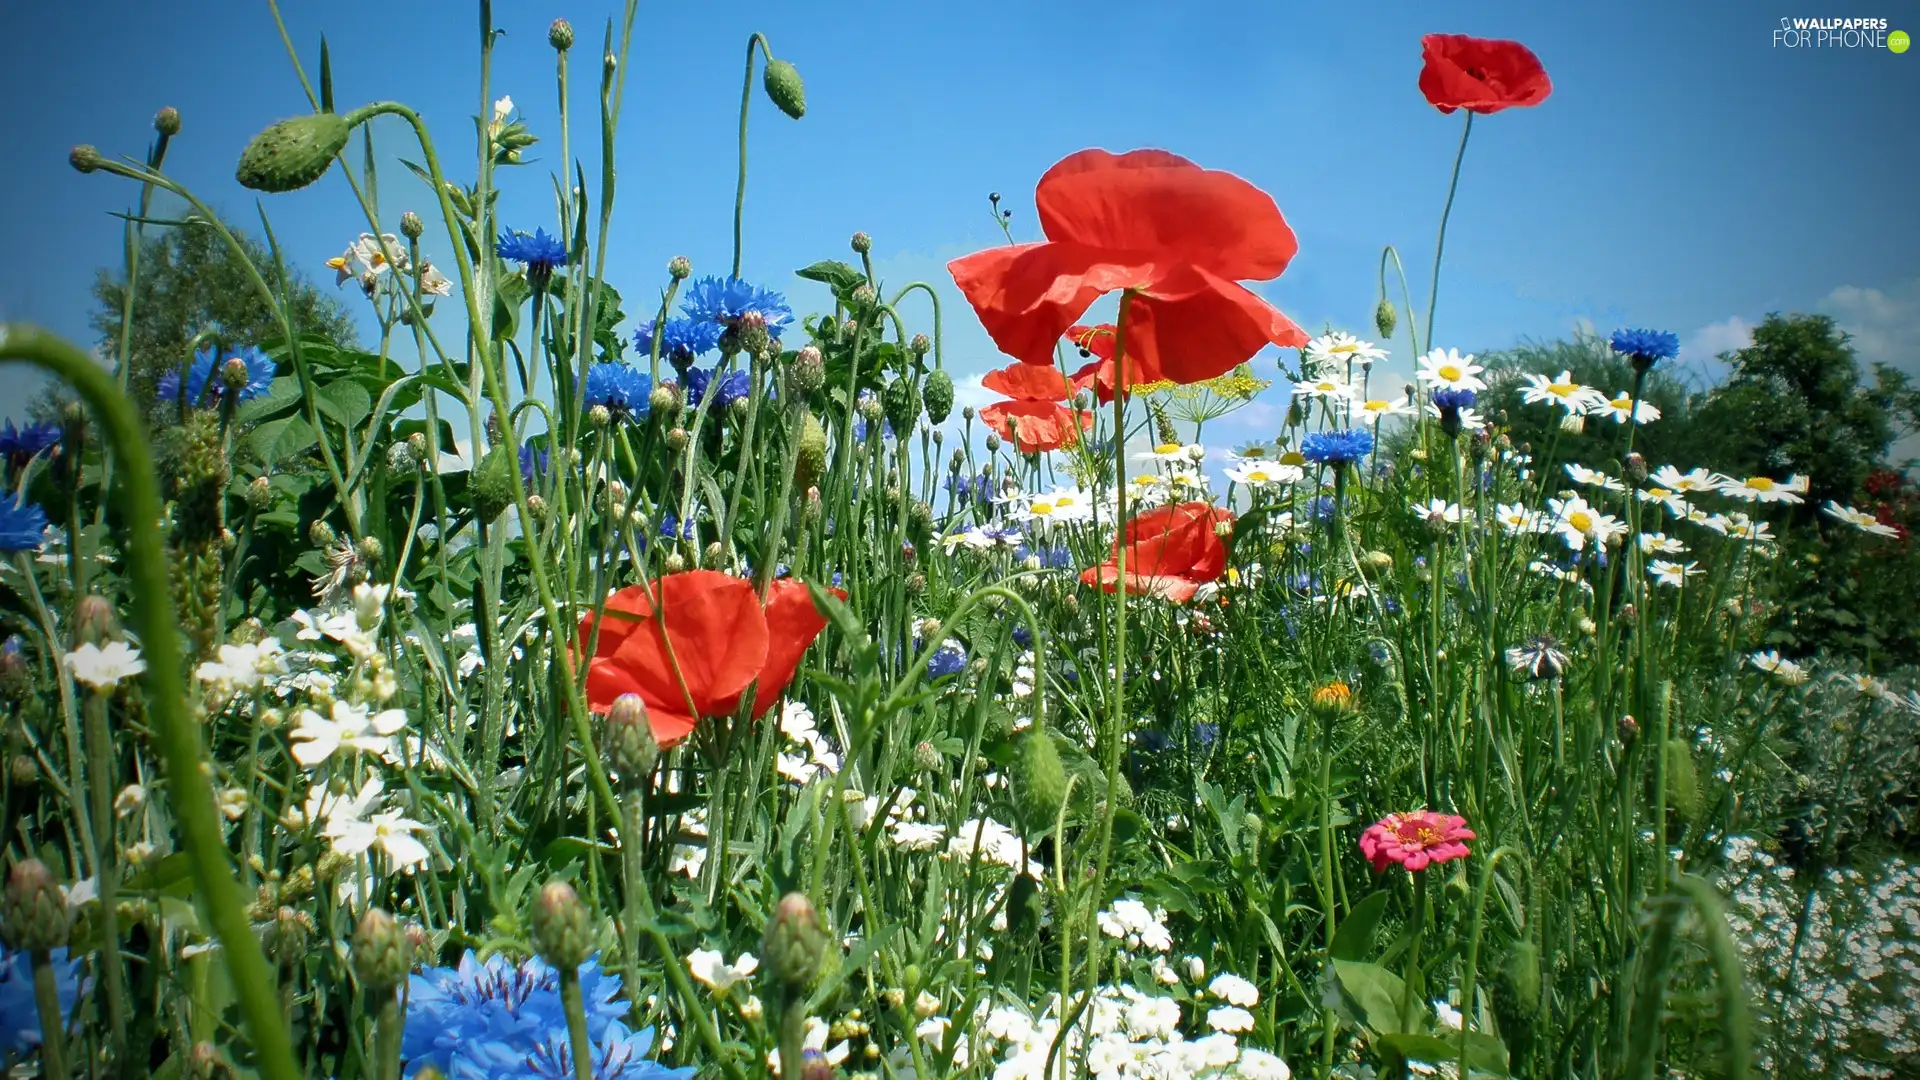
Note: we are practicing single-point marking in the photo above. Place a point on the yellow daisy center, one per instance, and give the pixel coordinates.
(1760, 483)
(1293, 457)
(1258, 476)
(1448, 372)
(1562, 389)
(1581, 520)
(1346, 347)
(1042, 509)
(1167, 448)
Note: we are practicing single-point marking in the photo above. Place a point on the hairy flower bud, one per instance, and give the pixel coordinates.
(783, 86)
(809, 372)
(993, 444)
(167, 121)
(94, 622)
(795, 943)
(630, 742)
(1040, 779)
(1683, 780)
(293, 153)
(714, 555)
(560, 35)
(679, 268)
(33, 913)
(1636, 468)
(411, 226)
(380, 953)
(492, 487)
(939, 397)
(84, 158)
(862, 243)
(289, 936)
(810, 452)
(562, 928)
(677, 440)
(600, 416)
(1385, 318)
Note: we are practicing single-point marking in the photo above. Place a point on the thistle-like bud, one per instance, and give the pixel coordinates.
(920, 517)
(679, 268)
(864, 296)
(411, 226)
(399, 458)
(560, 35)
(862, 243)
(293, 153)
(795, 943)
(289, 936)
(1385, 318)
(367, 549)
(537, 506)
(714, 555)
(600, 416)
(1377, 561)
(380, 953)
(562, 928)
(630, 742)
(495, 429)
(927, 757)
(809, 372)
(783, 85)
(493, 483)
(920, 345)
(916, 584)
(94, 622)
(677, 440)
(675, 562)
(1040, 779)
(260, 493)
(33, 913)
(939, 397)
(1636, 468)
(810, 453)
(84, 158)
(167, 121)
(417, 443)
(993, 443)
(810, 508)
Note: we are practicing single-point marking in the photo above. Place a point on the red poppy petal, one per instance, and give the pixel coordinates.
(1106, 577)
(792, 624)
(719, 640)
(1028, 382)
(1027, 295)
(606, 681)
(1193, 325)
(1097, 340)
(622, 615)
(1034, 426)
(1157, 202)
(669, 727)
(1483, 75)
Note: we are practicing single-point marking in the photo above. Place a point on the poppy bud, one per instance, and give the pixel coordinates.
(939, 397)
(810, 452)
(167, 121)
(1040, 779)
(493, 483)
(84, 158)
(783, 85)
(1683, 780)
(630, 741)
(33, 913)
(795, 943)
(94, 622)
(560, 35)
(1385, 318)
(293, 153)
(862, 243)
(679, 268)
(562, 929)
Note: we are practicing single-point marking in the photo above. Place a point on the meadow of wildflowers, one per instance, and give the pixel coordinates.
(738, 707)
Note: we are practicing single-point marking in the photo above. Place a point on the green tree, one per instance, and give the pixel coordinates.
(191, 282)
(1589, 361)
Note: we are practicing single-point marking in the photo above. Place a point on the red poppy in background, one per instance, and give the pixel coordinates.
(1098, 341)
(1482, 75)
(1180, 237)
(1171, 552)
(723, 641)
(1034, 420)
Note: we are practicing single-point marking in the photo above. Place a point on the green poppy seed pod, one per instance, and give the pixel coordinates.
(411, 226)
(293, 153)
(560, 35)
(1025, 906)
(1520, 977)
(84, 158)
(784, 87)
(1040, 779)
(493, 483)
(167, 121)
(562, 929)
(862, 243)
(380, 953)
(679, 268)
(939, 396)
(630, 742)
(33, 912)
(1683, 780)
(810, 455)
(795, 943)
(809, 371)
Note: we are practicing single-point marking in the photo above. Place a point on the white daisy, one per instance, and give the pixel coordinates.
(315, 738)
(1254, 475)
(1773, 664)
(1517, 520)
(711, 969)
(103, 668)
(1661, 544)
(1337, 349)
(1666, 497)
(1179, 453)
(1859, 519)
(1440, 512)
(1764, 489)
(1594, 478)
(1577, 522)
(1688, 483)
(1621, 407)
(1562, 391)
(1446, 369)
(1672, 574)
(1331, 390)
(1374, 410)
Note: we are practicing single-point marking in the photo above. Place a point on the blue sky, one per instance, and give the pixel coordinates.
(1685, 174)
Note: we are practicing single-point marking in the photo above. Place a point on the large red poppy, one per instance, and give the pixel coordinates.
(1180, 237)
(1482, 75)
(1097, 375)
(1171, 552)
(722, 639)
(1034, 420)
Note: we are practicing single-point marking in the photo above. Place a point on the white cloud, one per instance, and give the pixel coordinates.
(967, 390)
(1700, 351)
(1884, 325)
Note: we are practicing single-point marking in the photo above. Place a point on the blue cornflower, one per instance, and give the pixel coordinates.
(1022, 636)
(1206, 734)
(729, 301)
(626, 391)
(475, 1019)
(1646, 346)
(618, 1053)
(1321, 508)
(672, 529)
(1453, 400)
(533, 464)
(24, 444)
(204, 383)
(22, 526)
(536, 251)
(949, 659)
(959, 488)
(680, 342)
(19, 1014)
(734, 386)
(1337, 447)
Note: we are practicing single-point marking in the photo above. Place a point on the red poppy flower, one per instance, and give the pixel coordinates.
(1171, 552)
(1179, 236)
(1482, 75)
(1098, 375)
(720, 636)
(1034, 421)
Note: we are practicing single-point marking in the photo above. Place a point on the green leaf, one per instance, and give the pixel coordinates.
(1354, 938)
(345, 402)
(510, 292)
(834, 274)
(326, 77)
(283, 395)
(277, 440)
(1485, 1053)
(1373, 992)
(837, 613)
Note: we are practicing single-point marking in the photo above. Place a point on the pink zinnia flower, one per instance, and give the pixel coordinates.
(1414, 840)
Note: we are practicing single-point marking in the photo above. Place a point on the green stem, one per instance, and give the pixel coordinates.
(1440, 245)
(386, 1047)
(178, 736)
(53, 1033)
(1410, 987)
(576, 1009)
(1473, 949)
(100, 778)
(746, 99)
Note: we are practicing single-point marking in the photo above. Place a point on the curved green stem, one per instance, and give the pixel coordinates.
(1440, 245)
(746, 99)
(178, 737)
